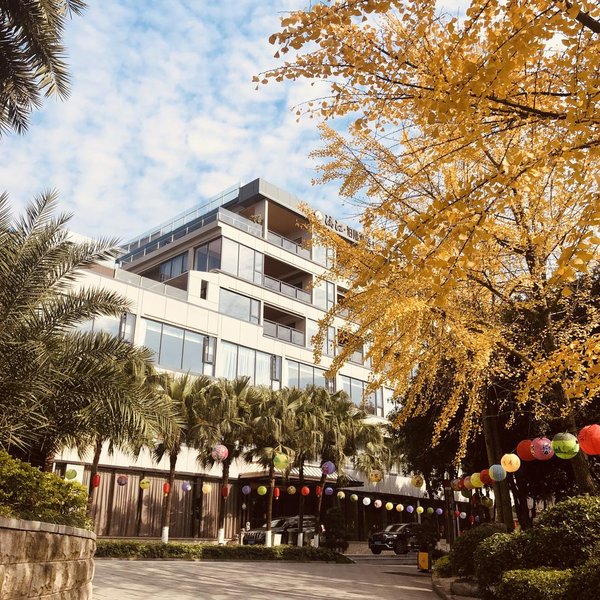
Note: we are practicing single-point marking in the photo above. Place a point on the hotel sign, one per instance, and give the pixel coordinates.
(340, 227)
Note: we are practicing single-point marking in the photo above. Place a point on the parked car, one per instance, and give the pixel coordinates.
(287, 527)
(399, 537)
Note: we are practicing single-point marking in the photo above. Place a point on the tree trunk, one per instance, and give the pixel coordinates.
(168, 499)
(268, 533)
(580, 465)
(301, 503)
(520, 502)
(318, 517)
(494, 452)
(92, 491)
(223, 501)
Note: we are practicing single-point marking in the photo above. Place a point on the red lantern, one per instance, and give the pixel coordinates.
(485, 477)
(276, 493)
(166, 488)
(461, 483)
(225, 491)
(589, 439)
(305, 491)
(471, 519)
(96, 480)
(318, 491)
(457, 513)
(524, 450)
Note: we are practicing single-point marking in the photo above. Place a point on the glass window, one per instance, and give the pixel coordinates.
(246, 358)
(292, 369)
(208, 256)
(171, 347)
(110, 325)
(330, 294)
(319, 378)
(177, 348)
(312, 328)
(356, 387)
(152, 336)
(229, 256)
(173, 267)
(239, 361)
(228, 360)
(234, 305)
(258, 267)
(306, 375)
(214, 255)
(263, 374)
(246, 263)
(320, 296)
(329, 342)
(193, 344)
(254, 311)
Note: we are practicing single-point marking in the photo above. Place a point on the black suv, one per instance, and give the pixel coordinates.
(287, 527)
(398, 537)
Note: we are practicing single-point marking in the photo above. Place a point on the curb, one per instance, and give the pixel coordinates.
(443, 588)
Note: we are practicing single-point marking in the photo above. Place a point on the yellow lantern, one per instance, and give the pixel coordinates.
(476, 480)
(420, 510)
(206, 487)
(510, 462)
(417, 481)
(375, 476)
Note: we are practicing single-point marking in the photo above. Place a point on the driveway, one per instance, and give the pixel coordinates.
(220, 580)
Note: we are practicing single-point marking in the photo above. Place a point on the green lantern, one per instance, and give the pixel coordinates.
(262, 490)
(565, 445)
(280, 462)
(144, 483)
(70, 474)
(429, 510)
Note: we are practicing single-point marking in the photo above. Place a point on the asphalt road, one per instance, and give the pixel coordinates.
(220, 580)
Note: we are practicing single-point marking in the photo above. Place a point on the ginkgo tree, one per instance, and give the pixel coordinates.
(472, 149)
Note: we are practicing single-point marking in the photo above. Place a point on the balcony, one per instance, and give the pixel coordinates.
(288, 245)
(283, 333)
(286, 289)
(241, 223)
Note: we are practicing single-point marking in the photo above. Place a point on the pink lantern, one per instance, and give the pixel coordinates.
(219, 452)
(541, 448)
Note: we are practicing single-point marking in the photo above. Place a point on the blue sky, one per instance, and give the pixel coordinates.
(163, 114)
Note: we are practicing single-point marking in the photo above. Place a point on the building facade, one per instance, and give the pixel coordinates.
(231, 288)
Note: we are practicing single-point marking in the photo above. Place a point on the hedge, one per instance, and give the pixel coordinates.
(28, 493)
(494, 555)
(182, 550)
(461, 556)
(535, 584)
(442, 567)
(585, 582)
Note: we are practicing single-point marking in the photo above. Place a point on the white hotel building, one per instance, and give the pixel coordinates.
(225, 289)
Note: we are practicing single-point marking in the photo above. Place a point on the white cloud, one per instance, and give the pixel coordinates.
(163, 113)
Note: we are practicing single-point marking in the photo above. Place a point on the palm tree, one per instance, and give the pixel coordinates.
(184, 393)
(306, 440)
(31, 61)
(226, 421)
(347, 432)
(272, 424)
(50, 373)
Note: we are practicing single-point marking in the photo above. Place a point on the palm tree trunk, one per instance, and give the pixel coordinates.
(301, 503)
(268, 534)
(223, 501)
(92, 491)
(319, 507)
(168, 499)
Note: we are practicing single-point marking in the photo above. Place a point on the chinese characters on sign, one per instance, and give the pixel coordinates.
(341, 228)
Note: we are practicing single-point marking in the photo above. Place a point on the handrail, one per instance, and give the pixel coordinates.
(287, 244)
(283, 332)
(288, 290)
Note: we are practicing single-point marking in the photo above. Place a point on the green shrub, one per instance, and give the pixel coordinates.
(535, 584)
(461, 555)
(135, 549)
(442, 567)
(28, 493)
(494, 555)
(585, 581)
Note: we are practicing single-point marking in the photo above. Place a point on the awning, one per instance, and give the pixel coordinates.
(310, 474)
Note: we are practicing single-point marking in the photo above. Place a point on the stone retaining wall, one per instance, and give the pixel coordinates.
(42, 560)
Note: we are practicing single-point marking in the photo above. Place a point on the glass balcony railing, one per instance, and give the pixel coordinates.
(288, 245)
(241, 223)
(150, 284)
(283, 333)
(286, 289)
